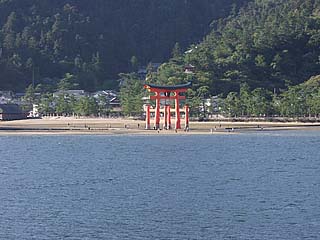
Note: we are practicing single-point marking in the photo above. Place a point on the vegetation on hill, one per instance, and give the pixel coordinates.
(269, 44)
(41, 41)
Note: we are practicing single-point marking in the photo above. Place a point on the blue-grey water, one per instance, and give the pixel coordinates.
(247, 186)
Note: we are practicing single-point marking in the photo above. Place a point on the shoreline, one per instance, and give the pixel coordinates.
(112, 126)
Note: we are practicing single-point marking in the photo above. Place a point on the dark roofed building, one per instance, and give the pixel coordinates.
(76, 93)
(11, 112)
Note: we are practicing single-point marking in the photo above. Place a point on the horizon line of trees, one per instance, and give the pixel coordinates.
(66, 104)
(298, 101)
(302, 100)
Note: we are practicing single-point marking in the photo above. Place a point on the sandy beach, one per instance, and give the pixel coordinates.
(65, 125)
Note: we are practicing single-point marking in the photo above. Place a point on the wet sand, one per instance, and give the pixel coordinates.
(65, 125)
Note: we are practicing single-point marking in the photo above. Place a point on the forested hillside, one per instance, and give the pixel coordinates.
(270, 44)
(43, 41)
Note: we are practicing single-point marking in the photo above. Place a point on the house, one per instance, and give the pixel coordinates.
(115, 103)
(11, 112)
(189, 69)
(106, 94)
(109, 98)
(6, 96)
(75, 93)
(18, 98)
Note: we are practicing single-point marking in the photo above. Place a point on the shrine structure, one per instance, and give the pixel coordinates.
(167, 94)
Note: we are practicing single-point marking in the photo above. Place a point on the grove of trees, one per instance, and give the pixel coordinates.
(302, 100)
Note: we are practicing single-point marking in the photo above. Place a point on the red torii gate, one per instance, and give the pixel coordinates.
(167, 93)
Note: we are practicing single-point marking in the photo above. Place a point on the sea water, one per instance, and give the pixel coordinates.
(244, 186)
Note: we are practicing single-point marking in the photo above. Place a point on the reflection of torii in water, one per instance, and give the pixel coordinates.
(165, 93)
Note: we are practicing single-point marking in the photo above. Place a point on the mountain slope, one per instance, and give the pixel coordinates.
(269, 43)
(95, 40)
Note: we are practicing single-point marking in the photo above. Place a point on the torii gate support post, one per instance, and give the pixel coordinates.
(165, 116)
(148, 116)
(186, 117)
(157, 116)
(177, 108)
(169, 116)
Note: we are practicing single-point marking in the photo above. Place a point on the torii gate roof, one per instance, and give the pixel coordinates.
(168, 88)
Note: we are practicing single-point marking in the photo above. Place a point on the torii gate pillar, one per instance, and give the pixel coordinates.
(168, 117)
(186, 117)
(177, 108)
(148, 116)
(157, 114)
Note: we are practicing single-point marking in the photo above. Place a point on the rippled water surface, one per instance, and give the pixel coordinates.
(246, 186)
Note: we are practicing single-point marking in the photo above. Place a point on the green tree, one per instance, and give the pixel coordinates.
(194, 102)
(293, 102)
(232, 105)
(30, 96)
(86, 106)
(63, 105)
(260, 100)
(203, 94)
(46, 104)
(245, 100)
(131, 94)
(68, 82)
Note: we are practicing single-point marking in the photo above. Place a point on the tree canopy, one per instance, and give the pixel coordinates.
(43, 40)
(271, 44)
